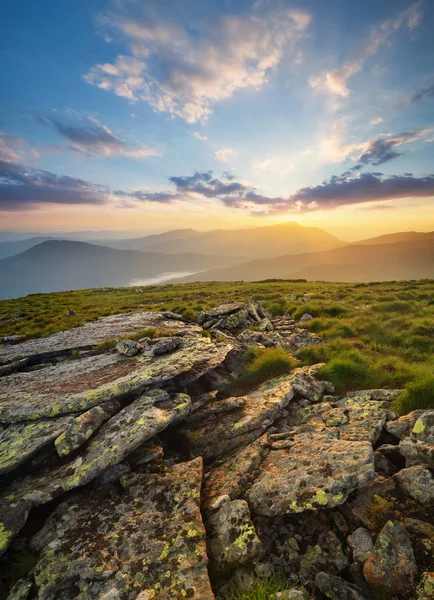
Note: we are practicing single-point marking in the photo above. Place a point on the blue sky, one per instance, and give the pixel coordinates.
(132, 115)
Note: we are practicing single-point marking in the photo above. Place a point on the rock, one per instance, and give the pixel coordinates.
(233, 475)
(268, 339)
(164, 345)
(117, 438)
(391, 566)
(239, 427)
(371, 502)
(232, 536)
(111, 474)
(312, 472)
(425, 588)
(82, 427)
(234, 316)
(145, 542)
(19, 443)
(419, 447)
(265, 325)
(129, 347)
(418, 483)
(366, 418)
(402, 427)
(361, 544)
(78, 385)
(70, 313)
(337, 588)
(12, 519)
(219, 311)
(306, 317)
(20, 590)
(90, 335)
(383, 466)
(326, 555)
(308, 387)
(291, 595)
(379, 394)
(216, 407)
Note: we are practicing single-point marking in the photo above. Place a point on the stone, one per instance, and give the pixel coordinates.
(308, 387)
(326, 555)
(214, 408)
(418, 483)
(425, 588)
(90, 335)
(372, 502)
(402, 427)
(82, 427)
(337, 588)
(219, 311)
(114, 441)
(306, 317)
(232, 536)
(12, 519)
(265, 325)
(361, 544)
(379, 394)
(145, 542)
(129, 347)
(78, 385)
(21, 590)
(239, 427)
(418, 448)
(19, 443)
(291, 595)
(233, 475)
(391, 566)
(312, 472)
(164, 346)
(366, 418)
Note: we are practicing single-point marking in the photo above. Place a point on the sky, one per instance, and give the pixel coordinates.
(151, 116)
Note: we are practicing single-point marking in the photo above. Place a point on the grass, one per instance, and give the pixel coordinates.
(261, 365)
(377, 334)
(263, 589)
(418, 394)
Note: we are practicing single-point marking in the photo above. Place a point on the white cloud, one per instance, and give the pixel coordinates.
(14, 149)
(276, 164)
(376, 121)
(335, 81)
(199, 136)
(225, 154)
(184, 74)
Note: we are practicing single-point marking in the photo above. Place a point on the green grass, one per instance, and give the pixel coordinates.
(263, 589)
(393, 338)
(263, 364)
(418, 394)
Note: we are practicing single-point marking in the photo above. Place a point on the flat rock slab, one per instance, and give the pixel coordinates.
(90, 335)
(77, 385)
(18, 443)
(147, 542)
(115, 440)
(310, 473)
(239, 427)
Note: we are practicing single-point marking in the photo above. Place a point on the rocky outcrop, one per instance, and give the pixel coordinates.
(111, 458)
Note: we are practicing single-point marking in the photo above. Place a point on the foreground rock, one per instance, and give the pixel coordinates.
(147, 542)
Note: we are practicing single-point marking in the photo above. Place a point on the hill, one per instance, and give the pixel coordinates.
(364, 262)
(394, 238)
(11, 248)
(143, 243)
(270, 241)
(66, 265)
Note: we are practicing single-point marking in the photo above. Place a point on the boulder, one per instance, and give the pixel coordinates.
(129, 347)
(418, 448)
(306, 317)
(418, 483)
(337, 588)
(232, 536)
(21, 590)
(361, 544)
(327, 555)
(313, 471)
(78, 385)
(147, 541)
(391, 566)
(402, 427)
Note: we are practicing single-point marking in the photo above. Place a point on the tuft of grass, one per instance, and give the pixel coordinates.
(106, 345)
(261, 365)
(263, 589)
(23, 562)
(351, 372)
(418, 394)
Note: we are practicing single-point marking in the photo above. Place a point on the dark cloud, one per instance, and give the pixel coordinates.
(384, 149)
(206, 184)
(90, 137)
(423, 94)
(22, 188)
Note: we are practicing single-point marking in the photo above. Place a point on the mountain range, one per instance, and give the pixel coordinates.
(285, 251)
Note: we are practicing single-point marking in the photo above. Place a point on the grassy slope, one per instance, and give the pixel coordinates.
(387, 342)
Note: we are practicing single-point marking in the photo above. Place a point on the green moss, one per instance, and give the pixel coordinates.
(419, 426)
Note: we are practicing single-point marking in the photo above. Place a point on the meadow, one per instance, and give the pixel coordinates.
(376, 334)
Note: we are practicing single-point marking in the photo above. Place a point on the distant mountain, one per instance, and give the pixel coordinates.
(364, 262)
(11, 248)
(394, 238)
(273, 240)
(66, 265)
(143, 243)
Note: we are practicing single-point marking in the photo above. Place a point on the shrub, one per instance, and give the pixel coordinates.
(263, 589)
(347, 373)
(418, 394)
(262, 365)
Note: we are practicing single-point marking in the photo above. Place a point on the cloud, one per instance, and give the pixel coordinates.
(22, 188)
(14, 149)
(199, 136)
(184, 71)
(423, 94)
(225, 154)
(377, 152)
(88, 136)
(376, 121)
(335, 81)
